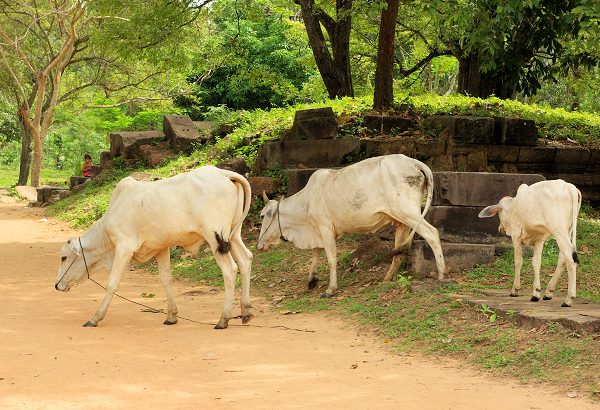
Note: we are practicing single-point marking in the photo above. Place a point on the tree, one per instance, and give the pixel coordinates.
(384, 80)
(504, 47)
(83, 44)
(334, 65)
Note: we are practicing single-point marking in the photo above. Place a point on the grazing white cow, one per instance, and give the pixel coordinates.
(544, 209)
(362, 197)
(144, 219)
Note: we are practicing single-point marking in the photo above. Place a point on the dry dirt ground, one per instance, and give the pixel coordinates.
(131, 360)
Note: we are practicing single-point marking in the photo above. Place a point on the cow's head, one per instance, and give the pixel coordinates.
(270, 232)
(502, 208)
(72, 267)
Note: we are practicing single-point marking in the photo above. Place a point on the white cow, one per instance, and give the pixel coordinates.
(144, 219)
(544, 209)
(362, 197)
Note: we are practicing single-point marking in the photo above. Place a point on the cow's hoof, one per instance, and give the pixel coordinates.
(326, 295)
(90, 324)
(247, 318)
(219, 326)
(169, 322)
(313, 282)
(514, 294)
(565, 305)
(535, 298)
(547, 298)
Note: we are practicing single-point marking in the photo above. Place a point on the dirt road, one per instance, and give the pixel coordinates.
(132, 361)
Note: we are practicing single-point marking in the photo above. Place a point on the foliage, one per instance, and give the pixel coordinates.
(254, 56)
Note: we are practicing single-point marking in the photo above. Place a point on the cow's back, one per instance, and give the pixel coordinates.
(545, 203)
(362, 194)
(173, 209)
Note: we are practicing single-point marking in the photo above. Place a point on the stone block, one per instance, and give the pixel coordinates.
(503, 153)
(106, 160)
(384, 124)
(77, 180)
(313, 124)
(156, 154)
(460, 224)
(96, 170)
(582, 317)
(311, 154)
(181, 132)
(127, 143)
(515, 131)
(44, 193)
(572, 159)
(477, 188)
(297, 179)
(458, 257)
(375, 148)
(464, 129)
(27, 192)
(429, 149)
(237, 164)
(267, 184)
(537, 155)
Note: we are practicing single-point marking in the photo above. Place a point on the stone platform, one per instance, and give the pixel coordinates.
(583, 316)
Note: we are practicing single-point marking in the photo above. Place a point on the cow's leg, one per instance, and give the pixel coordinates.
(566, 249)
(243, 257)
(537, 263)
(229, 271)
(313, 280)
(120, 264)
(331, 253)
(432, 237)
(163, 259)
(518, 264)
(555, 277)
(399, 237)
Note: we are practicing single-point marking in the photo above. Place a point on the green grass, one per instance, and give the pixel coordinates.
(9, 175)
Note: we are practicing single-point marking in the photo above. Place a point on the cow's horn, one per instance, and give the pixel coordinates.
(265, 197)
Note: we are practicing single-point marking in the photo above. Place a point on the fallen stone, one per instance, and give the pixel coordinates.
(297, 179)
(458, 257)
(127, 143)
(156, 154)
(181, 132)
(313, 124)
(266, 184)
(237, 164)
(27, 192)
(583, 316)
(77, 180)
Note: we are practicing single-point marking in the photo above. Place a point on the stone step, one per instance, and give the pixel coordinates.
(458, 257)
(583, 316)
(477, 188)
(460, 224)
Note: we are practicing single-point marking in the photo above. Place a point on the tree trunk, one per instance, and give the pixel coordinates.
(25, 160)
(38, 158)
(473, 82)
(384, 72)
(333, 66)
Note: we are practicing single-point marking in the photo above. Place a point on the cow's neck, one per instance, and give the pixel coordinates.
(96, 247)
(294, 226)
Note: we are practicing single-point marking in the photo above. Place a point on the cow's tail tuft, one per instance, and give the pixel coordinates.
(224, 245)
(426, 171)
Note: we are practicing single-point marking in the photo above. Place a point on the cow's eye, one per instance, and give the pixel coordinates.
(64, 258)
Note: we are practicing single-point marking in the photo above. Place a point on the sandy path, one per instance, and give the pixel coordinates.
(131, 361)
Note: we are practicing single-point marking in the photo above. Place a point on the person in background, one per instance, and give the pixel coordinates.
(86, 166)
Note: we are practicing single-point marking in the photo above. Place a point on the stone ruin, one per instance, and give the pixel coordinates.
(476, 161)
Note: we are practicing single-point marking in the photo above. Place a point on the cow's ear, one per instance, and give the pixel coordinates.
(489, 211)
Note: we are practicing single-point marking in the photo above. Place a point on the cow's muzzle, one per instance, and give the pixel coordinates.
(61, 287)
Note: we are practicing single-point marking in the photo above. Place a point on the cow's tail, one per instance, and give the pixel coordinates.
(426, 171)
(575, 206)
(244, 200)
